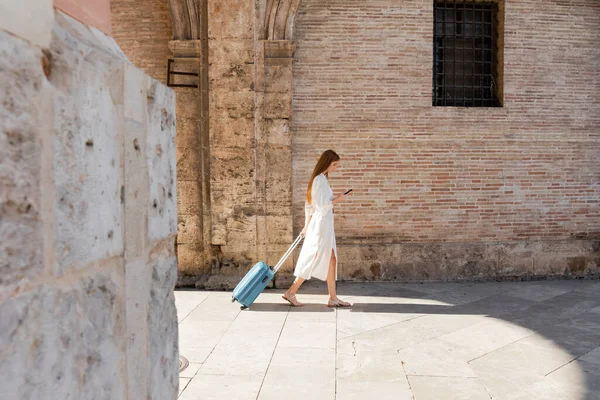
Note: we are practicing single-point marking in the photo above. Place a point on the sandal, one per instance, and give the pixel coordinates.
(338, 303)
(292, 300)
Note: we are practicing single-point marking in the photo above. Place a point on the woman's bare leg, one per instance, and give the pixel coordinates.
(331, 277)
(295, 286)
(333, 299)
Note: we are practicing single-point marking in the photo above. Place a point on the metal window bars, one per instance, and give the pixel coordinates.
(465, 53)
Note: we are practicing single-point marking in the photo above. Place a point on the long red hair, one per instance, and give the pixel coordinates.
(324, 162)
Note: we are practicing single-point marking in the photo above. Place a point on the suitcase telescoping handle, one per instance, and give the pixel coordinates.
(287, 253)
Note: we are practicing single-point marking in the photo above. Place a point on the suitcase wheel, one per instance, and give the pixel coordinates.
(243, 308)
(232, 299)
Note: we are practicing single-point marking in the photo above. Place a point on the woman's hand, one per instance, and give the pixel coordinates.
(342, 196)
(303, 233)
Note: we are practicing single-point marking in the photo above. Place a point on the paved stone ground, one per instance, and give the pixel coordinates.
(513, 340)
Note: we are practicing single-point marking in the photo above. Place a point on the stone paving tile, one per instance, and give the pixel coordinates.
(447, 388)
(507, 340)
(437, 358)
(592, 356)
(222, 387)
(308, 334)
(352, 390)
(183, 382)
(187, 301)
(190, 371)
(578, 380)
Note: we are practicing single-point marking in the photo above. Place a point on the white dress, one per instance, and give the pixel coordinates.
(319, 242)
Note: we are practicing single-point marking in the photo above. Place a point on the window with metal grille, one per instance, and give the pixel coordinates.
(465, 54)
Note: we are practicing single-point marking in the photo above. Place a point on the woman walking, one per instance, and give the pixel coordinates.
(318, 257)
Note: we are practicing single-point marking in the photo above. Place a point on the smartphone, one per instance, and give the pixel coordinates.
(348, 191)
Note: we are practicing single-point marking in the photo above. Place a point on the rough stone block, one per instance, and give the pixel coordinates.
(232, 180)
(190, 197)
(190, 259)
(277, 131)
(276, 105)
(17, 18)
(231, 77)
(188, 163)
(137, 293)
(189, 229)
(278, 79)
(160, 153)
(231, 132)
(135, 99)
(231, 51)
(88, 141)
(279, 230)
(24, 109)
(72, 337)
(234, 104)
(550, 265)
(279, 175)
(163, 331)
(135, 189)
(231, 19)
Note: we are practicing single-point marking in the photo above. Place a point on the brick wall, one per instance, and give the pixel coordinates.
(528, 171)
(143, 31)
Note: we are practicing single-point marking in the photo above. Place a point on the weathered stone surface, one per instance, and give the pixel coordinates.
(231, 19)
(278, 79)
(232, 186)
(277, 130)
(276, 105)
(232, 132)
(231, 77)
(189, 193)
(135, 188)
(70, 337)
(231, 51)
(162, 329)
(234, 104)
(160, 153)
(137, 311)
(78, 156)
(190, 259)
(16, 17)
(88, 149)
(278, 176)
(456, 261)
(22, 116)
(189, 229)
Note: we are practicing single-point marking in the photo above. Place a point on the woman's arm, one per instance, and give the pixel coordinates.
(339, 198)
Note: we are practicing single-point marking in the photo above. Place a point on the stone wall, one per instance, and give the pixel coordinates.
(87, 218)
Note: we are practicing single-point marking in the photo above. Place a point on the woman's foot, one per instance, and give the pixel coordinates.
(292, 300)
(337, 303)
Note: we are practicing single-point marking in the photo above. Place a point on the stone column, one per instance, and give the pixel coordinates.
(274, 151)
(193, 162)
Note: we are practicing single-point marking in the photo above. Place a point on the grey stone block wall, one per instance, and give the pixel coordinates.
(88, 221)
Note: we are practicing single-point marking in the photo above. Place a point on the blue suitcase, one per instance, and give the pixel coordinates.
(258, 278)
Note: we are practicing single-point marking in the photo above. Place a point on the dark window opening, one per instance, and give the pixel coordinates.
(465, 54)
